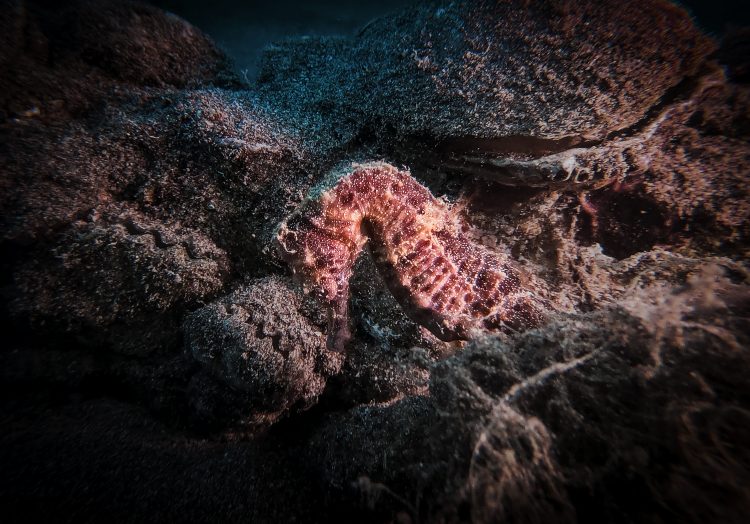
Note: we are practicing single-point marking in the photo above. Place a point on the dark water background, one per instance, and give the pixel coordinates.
(244, 28)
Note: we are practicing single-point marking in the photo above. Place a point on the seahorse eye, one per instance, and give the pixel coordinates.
(287, 241)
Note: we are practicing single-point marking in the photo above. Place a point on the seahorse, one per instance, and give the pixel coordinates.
(442, 280)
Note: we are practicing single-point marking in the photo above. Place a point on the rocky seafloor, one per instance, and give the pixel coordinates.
(161, 362)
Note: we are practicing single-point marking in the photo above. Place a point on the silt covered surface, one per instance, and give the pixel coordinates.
(162, 363)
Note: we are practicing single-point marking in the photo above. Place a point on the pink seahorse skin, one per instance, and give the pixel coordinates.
(444, 282)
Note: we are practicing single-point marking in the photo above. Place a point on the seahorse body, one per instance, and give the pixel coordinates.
(443, 281)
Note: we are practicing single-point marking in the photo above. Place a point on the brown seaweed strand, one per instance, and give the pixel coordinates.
(443, 281)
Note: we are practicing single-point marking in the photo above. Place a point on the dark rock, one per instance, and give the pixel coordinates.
(591, 418)
(549, 70)
(58, 60)
(256, 342)
(117, 272)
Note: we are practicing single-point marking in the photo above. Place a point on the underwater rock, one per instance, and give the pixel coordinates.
(553, 72)
(121, 278)
(576, 420)
(119, 214)
(256, 341)
(58, 60)
(211, 159)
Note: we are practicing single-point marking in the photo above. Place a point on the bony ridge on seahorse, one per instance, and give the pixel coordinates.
(443, 281)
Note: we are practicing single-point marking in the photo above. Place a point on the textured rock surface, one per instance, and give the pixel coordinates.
(595, 68)
(256, 341)
(118, 271)
(160, 363)
(591, 416)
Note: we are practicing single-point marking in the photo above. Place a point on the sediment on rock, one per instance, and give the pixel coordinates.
(160, 361)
